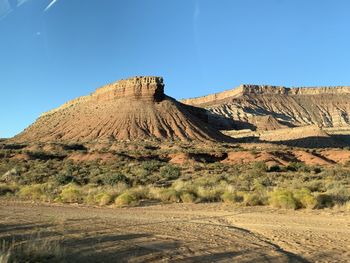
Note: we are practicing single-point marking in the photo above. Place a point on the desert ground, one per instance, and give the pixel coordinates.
(213, 232)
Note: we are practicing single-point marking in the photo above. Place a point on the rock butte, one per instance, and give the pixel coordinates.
(274, 107)
(131, 109)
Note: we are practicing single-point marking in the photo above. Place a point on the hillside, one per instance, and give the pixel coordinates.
(271, 107)
(132, 109)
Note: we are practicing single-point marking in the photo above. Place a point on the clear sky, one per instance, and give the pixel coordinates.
(52, 51)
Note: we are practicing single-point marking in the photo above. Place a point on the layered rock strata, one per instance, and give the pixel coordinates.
(246, 106)
(132, 109)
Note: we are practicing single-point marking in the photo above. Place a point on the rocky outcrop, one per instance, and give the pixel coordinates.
(289, 107)
(132, 109)
(136, 88)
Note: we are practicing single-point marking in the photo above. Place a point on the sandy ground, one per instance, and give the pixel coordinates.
(182, 233)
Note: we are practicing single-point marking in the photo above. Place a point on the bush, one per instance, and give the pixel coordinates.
(275, 168)
(254, 199)
(187, 197)
(283, 199)
(140, 192)
(259, 167)
(150, 166)
(63, 179)
(71, 194)
(324, 200)
(304, 198)
(99, 198)
(125, 199)
(6, 189)
(298, 167)
(35, 192)
(113, 179)
(33, 250)
(229, 197)
(165, 194)
(209, 194)
(340, 194)
(170, 172)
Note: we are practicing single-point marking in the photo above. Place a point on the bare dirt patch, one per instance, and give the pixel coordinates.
(182, 233)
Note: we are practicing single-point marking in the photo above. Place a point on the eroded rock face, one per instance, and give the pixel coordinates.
(132, 109)
(137, 88)
(290, 107)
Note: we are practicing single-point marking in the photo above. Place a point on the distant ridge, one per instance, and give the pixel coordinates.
(290, 107)
(246, 89)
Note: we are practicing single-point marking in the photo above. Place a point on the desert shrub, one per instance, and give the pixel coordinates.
(283, 198)
(324, 200)
(227, 197)
(63, 179)
(304, 198)
(209, 194)
(6, 189)
(71, 194)
(104, 198)
(315, 186)
(317, 170)
(125, 199)
(254, 199)
(164, 194)
(151, 166)
(38, 192)
(140, 192)
(231, 197)
(340, 194)
(343, 207)
(99, 198)
(297, 167)
(188, 197)
(170, 172)
(275, 168)
(114, 178)
(33, 250)
(259, 167)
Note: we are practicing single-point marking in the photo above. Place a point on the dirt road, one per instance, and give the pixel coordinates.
(182, 233)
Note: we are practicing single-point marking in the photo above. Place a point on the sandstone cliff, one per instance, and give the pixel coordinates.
(132, 109)
(274, 107)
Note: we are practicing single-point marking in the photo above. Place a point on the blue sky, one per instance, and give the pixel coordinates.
(54, 51)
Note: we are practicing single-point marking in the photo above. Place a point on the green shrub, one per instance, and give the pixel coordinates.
(71, 194)
(140, 192)
(187, 197)
(164, 194)
(298, 167)
(254, 199)
(6, 189)
(324, 200)
(231, 197)
(209, 194)
(125, 199)
(34, 192)
(275, 168)
(113, 179)
(170, 172)
(99, 198)
(259, 167)
(283, 199)
(304, 198)
(104, 199)
(63, 179)
(150, 166)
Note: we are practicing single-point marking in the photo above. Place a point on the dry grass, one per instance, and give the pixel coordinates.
(33, 250)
